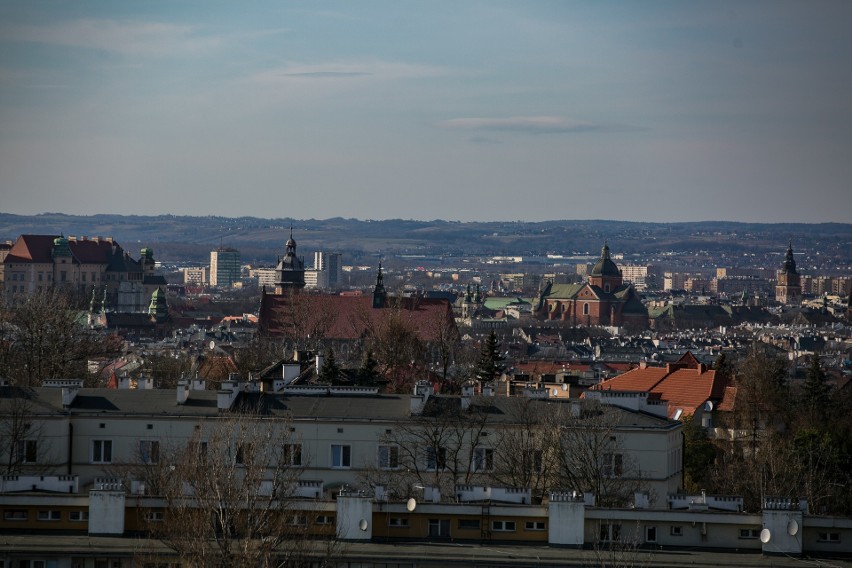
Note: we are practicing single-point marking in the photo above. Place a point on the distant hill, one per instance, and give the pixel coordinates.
(188, 238)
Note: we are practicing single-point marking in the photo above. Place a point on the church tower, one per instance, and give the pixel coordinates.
(605, 274)
(290, 270)
(379, 294)
(788, 291)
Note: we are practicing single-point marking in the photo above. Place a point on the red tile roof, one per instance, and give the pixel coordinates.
(349, 317)
(38, 249)
(686, 384)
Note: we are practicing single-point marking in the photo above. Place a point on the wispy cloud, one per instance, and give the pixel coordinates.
(528, 124)
(126, 37)
(347, 70)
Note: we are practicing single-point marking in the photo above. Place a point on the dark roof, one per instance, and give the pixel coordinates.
(605, 266)
(350, 317)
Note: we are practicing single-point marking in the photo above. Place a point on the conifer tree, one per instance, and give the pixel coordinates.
(369, 368)
(815, 390)
(490, 364)
(330, 371)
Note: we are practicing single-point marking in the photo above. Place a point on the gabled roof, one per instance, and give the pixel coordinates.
(686, 384)
(350, 317)
(39, 248)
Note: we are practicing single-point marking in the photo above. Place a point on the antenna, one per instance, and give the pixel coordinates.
(708, 406)
(411, 505)
(362, 524)
(765, 536)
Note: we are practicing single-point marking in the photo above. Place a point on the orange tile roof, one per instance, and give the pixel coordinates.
(685, 389)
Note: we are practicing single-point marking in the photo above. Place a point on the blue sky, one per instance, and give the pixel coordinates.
(463, 110)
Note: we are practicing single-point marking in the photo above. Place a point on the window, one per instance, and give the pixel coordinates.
(78, 516)
(245, 454)
(606, 287)
(293, 454)
(341, 455)
(535, 525)
(398, 522)
(200, 450)
(828, 537)
(149, 451)
(650, 534)
(749, 533)
(613, 465)
(388, 457)
(586, 309)
(324, 520)
(610, 532)
(436, 458)
(469, 524)
(503, 526)
(538, 461)
(49, 515)
(155, 516)
(298, 520)
(483, 459)
(439, 528)
(15, 515)
(27, 451)
(101, 451)
(676, 530)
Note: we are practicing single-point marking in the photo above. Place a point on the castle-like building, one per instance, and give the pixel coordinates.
(603, 300)
(95, 266)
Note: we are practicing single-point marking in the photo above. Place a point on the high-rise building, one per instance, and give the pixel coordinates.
(224, 267)
(330, 263)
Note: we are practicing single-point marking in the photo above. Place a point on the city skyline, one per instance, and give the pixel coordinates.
(651, 111)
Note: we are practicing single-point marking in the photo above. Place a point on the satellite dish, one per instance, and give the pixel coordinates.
(411, 505)
(212, 345)
(708, 406)
(565, 386)
(765, 536)
(363, 524)
(792, 527)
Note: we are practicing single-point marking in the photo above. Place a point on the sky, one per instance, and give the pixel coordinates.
(445, 109)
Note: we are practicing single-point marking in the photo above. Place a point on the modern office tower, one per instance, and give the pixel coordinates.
(224, 267)
(330, 263)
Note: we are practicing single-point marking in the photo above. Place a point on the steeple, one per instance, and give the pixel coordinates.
(789, 261)
(290, 271)
(379, 294)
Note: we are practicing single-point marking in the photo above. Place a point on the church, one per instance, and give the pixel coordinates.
(603, 300)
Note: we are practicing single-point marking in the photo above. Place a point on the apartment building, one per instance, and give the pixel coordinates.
(225, 267)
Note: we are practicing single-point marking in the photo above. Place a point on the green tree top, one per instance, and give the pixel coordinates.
(490, 365)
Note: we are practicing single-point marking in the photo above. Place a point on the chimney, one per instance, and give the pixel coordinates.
(468, 392)
(144, 383)
(124, 382)
(422, 390)
(319, 362)
(227, 395)
(182, 391)
(68, 395)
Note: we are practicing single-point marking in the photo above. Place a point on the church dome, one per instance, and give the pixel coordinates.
(605, 266)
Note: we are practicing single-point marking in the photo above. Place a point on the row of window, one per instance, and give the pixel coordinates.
(44, 515)
(296, 520)
(470, 524)
(341, 456)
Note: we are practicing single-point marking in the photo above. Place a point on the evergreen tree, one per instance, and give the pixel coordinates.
(490, 365)
(330, 371)
(369, 368)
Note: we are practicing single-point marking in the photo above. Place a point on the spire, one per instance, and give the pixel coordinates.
(476, 296)
(789, 261)
(379, 294)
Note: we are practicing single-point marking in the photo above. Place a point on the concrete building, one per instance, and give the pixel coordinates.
(196, 276)
(225, 267)
(331, 263)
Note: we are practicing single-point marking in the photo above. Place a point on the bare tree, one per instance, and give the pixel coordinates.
(592, 458)
(529, 452)
(23, 447)
(435, 449)
(229, 494)
(43, 340)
